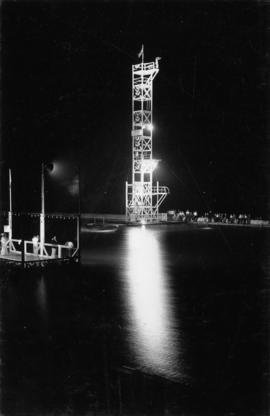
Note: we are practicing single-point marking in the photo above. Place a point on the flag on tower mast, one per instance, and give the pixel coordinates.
(141, 52)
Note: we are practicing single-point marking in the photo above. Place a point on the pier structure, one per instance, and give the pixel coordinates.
(27, 253)
(143, 198)
(36, 251)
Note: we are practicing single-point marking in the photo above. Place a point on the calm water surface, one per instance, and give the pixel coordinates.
(161, 320)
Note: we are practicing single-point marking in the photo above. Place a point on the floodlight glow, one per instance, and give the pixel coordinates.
(149, 127)
(57, 168)
(154, 164)
(149, 165)
(50, 167)
(60, 169)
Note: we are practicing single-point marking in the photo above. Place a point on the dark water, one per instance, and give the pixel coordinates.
(167, 320)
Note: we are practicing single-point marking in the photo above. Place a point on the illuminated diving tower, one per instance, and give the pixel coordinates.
(142, 198)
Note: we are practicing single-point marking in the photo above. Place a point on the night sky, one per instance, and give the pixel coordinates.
(66, 95)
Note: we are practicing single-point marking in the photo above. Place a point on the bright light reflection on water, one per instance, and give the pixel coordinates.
(153, 333)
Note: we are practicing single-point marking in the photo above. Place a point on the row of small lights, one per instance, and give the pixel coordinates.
(33, 214)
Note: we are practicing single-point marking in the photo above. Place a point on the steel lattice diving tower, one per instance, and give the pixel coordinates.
(142, 198)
